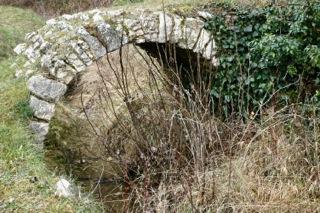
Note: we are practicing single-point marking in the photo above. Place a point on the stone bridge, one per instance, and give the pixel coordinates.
(61, 51)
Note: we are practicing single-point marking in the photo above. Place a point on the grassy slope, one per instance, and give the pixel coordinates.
(20, 161)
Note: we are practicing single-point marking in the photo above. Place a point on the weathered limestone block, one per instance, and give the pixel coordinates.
(75, 62)
(115, 13)
(40, 129)
(191, 30)
(32, 54)
(109, 37)
(209, 52)
(165, 27)
(66, 74)
(42, 109)
(60, 69)
(205, 15)
(36, 41)
(96, 47)
(97, 17)
(51, 63)
(46, 89)
(176, 34)
(203, 40)
(20, 48)
(150, 26)
(59, 25)
(44, 47)
(134, 29)
(30, 35)
(83, 51)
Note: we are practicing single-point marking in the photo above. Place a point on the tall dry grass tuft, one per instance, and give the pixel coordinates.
(173, 155)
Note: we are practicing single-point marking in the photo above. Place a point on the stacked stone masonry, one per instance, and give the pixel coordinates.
(65, 46)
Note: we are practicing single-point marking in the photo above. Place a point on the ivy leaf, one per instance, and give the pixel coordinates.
(248, 29)
(292, 70)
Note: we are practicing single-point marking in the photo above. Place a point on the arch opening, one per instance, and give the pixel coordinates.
(106, 83)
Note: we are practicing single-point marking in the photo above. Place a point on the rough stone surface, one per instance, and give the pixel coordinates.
(96, 47)
(20, 48)
(42, 109)
(110, 38)
(82, 38)
(46, 89)
(66, 45)
(205, 15)
(40, 129)
(165, 27)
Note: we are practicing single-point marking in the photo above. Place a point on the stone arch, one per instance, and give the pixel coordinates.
(60, 51)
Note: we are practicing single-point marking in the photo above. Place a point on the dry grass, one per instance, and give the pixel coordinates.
(171, 155)
(50, 8)
(273, 170)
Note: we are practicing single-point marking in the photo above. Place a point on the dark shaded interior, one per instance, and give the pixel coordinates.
(191, 68)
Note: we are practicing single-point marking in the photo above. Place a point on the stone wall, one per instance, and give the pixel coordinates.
(62, 50)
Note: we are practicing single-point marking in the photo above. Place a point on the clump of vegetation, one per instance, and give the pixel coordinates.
(271, 51)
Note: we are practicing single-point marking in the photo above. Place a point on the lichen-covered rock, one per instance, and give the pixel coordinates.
(96, 47)
(46, 89)
(109, 37)
(82, 50)
(191, 30)
(40, 129)
(42, 109)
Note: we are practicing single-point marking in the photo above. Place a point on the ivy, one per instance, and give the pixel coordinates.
(270, 53)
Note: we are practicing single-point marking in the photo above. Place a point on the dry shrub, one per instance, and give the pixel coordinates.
(50, 8)
(160, 131)
(173, 155)
(169, 153)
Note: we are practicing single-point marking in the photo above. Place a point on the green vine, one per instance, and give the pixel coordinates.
(267, 56)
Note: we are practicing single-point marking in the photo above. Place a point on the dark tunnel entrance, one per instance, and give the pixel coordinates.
(183, 66)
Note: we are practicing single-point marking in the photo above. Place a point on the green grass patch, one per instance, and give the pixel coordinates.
(14, 24)
(25, 182)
